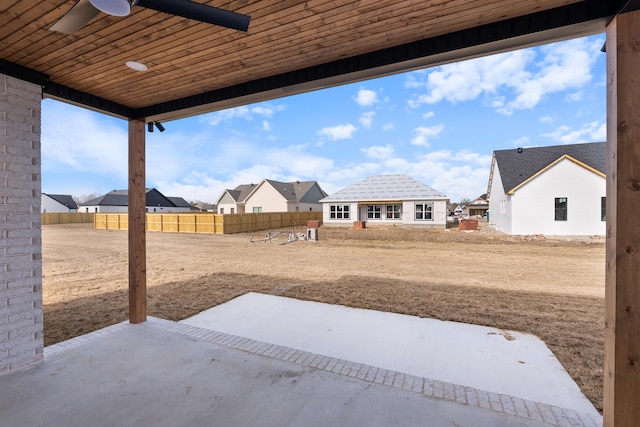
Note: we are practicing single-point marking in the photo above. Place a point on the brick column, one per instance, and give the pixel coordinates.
(21, 328)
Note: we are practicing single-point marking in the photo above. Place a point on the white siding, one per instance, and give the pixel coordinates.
(326, 214)
(439, 213)
(499, 203)
(358, 212)
(534, 204)
(267, 198)
(103, 209)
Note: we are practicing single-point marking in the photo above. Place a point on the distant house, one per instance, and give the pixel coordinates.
(557, 190)
(478, 207)
(57, 203)
(232, 201)
(272, 196)
(387, 199)
(118, 201)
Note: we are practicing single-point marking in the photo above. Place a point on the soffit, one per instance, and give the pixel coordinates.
(291, 46)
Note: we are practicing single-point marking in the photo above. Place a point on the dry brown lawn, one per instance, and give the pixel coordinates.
(550, 288)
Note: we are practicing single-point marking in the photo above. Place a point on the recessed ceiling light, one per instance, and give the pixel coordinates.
(135, 65)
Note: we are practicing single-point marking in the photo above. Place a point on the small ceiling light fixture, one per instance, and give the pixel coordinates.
(135, 65)
(159, 126)
(150, 127)
(113, 7)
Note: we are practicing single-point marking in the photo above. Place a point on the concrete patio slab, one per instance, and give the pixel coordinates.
(161, 373)
(503, 362)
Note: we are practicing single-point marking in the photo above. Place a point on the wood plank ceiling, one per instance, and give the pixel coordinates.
(187, 58)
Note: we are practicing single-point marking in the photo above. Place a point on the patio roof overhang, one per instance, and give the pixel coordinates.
(294, 46)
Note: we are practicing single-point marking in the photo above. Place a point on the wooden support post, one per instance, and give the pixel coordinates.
(622, 311)
(137, 217)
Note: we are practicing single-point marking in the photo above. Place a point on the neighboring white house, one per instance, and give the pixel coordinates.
(57, 203)
(557, 190)
(118, 201)
(272, 196)
(386, 199)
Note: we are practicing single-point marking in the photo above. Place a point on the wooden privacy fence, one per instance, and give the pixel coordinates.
(209, 222)
(49, 218)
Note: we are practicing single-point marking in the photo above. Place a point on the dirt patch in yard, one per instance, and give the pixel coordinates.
(553, 288)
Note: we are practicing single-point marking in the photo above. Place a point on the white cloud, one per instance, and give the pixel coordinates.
(335, 133)
(574, 97)
(93, 143)
(513, 80)
(523, 141)
(266, 126)
(243, 112)
(214, 119)
(589, 132)
(388, 126)
(366, 119)
(428, 115)
(366, 98)
(424, 134)
(468, 156)
(378, 152)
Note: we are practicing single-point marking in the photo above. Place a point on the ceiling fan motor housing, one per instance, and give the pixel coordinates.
(113, 7)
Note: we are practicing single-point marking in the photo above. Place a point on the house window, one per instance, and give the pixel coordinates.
(561, 208)
(257, 209)
(221, 210)
(339, 211)
(393, 211)
(603, 208)
(374, 211)
(424, 212)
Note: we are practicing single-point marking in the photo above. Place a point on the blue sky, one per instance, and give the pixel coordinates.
(439, 125)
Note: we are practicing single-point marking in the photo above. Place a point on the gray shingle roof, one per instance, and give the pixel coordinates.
(294, 191)
(64, 199)
(385, 187)
(516, 167)
(179, 202)
(241, 192)
(121, 198)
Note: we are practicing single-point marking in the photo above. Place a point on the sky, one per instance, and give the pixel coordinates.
(438, 125)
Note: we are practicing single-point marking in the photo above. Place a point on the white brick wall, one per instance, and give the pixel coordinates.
(21, 337)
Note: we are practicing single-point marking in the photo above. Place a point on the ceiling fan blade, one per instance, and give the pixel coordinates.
(199, 12)
(77, 17)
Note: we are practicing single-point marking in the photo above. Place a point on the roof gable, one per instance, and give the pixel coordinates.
(553, 164)
(63, 199)
(386, 187)
(518, 166)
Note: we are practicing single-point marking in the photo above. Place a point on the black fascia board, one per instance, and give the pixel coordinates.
(92, 102)
(23, 73)
(576, 13)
